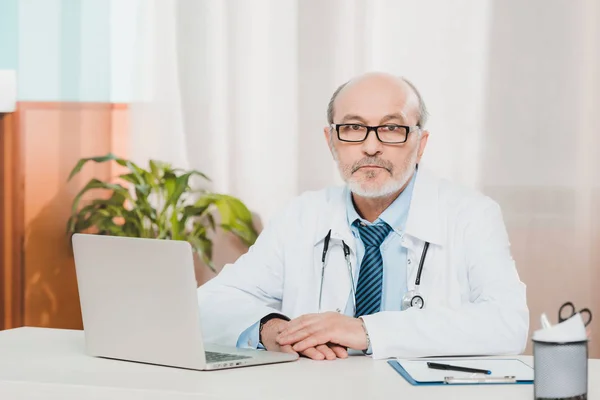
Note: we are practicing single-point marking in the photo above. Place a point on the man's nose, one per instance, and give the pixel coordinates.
(372, 146)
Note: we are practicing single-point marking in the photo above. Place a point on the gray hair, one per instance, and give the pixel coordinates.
(423, 114)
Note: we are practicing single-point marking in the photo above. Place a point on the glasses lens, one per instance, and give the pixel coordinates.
(392, 133)
(352, 133)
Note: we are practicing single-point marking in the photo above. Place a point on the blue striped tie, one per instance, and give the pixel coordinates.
(370, 278)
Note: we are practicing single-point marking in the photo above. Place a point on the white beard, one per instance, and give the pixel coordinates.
(387, 189)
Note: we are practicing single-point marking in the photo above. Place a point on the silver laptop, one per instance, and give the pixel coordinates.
(139, 303)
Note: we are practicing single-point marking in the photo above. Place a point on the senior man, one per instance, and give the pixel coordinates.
(396, 263)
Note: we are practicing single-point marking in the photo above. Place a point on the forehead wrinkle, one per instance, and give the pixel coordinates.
(397, 115)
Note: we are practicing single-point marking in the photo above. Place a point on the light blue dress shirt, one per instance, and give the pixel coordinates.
(249, 338)
(393, 253)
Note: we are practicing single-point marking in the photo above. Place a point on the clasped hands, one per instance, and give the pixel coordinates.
(317, 336)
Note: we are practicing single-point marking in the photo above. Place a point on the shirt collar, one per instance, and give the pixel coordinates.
(395, 215)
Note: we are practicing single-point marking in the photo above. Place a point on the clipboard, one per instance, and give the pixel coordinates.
(504, 371)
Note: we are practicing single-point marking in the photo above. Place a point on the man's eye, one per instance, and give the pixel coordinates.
(355, 127)
(391, 128)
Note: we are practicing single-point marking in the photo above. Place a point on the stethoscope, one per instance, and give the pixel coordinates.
(412, 298)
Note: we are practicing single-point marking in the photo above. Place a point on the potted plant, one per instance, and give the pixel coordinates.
(160, 203)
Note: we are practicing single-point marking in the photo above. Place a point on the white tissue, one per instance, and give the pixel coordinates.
(8, 91)
(571, 330)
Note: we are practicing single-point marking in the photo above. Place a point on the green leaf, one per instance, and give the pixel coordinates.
(170, 183)
(142, 191)
(176, 228)
(211, 221)
(181, 185)
(83, 161)
(200, 174)
(192, 172)
(191, 211)
(207, 200)
(203, 247)
(117, 198)
(131, 177)
(101, 159)
(155, 169)
(97, 184)
(235, 216)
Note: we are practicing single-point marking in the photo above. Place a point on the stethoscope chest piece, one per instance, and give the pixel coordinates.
(417, 302)
(413, 299)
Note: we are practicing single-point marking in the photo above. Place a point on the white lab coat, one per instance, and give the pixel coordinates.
(474, 301)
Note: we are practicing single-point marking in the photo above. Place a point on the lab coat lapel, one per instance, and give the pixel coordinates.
(336, 278)
(425, 217)
(425, 223)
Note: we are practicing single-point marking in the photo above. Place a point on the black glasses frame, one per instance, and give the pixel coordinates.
(409, 129)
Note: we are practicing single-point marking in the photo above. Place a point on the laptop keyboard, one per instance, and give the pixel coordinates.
(212, 357)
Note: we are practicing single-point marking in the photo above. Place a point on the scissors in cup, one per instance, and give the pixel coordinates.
(571, 311)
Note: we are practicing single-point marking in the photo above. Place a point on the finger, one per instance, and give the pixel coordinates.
(309, 325)
(339, 351)
(298, 324)
(313, 353)
(294, 337)
(287, 349)
(311, 341)
(327, 352)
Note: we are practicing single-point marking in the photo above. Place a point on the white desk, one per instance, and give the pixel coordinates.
(50, 364)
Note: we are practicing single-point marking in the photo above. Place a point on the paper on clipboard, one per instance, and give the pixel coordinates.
(420, 373)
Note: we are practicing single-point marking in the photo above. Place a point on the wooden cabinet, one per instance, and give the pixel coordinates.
(11, 223)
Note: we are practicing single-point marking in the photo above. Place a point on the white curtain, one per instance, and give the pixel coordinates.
(238, 89)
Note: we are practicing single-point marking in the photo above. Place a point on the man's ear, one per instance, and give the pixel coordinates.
(422, 145)
(326, 134)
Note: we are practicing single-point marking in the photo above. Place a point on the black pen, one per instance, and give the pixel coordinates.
(447, 367)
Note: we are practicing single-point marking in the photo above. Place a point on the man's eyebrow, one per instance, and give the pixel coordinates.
(353, 117)
(399, 116)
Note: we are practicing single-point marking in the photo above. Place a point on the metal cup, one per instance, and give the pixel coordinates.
(560, 370)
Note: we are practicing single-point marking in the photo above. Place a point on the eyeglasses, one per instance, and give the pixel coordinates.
(389, 133)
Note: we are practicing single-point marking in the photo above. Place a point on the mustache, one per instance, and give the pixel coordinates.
(372, 161)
